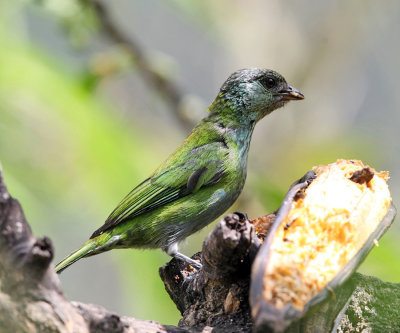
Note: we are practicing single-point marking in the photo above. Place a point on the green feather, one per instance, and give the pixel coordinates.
(75, 256)
(202, 178)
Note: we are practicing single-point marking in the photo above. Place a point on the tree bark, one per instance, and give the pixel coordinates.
(214, 298)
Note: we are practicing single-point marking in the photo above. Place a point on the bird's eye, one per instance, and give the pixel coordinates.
(268, 82)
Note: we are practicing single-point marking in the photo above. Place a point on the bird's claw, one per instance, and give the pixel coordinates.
(196, 265)
(188, 260)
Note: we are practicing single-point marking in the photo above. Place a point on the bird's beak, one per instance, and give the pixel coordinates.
(291, 93)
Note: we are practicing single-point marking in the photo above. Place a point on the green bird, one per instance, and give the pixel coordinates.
(201, 179)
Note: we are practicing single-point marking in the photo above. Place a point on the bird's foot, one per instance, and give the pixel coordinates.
(172, 250)
(188, 260)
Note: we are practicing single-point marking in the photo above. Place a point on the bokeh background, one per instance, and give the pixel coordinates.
(93, 95)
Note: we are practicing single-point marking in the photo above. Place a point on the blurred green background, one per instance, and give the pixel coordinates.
(81, 123)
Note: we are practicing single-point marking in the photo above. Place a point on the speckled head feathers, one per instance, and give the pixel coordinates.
(248, 75)
(253, 93)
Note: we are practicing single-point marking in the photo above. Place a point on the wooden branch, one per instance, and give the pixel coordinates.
(217, 295)
(213, 298)
(31, 299)
(166, 87)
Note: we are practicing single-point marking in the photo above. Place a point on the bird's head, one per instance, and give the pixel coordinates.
(251, 94)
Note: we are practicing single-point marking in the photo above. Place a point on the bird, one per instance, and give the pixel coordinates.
(201, 179)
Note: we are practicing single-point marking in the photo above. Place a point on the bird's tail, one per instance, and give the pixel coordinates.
(82, 252)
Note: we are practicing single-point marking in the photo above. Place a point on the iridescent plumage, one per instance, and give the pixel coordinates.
(201, 179)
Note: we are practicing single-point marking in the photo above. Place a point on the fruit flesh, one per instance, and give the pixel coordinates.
(323, 231)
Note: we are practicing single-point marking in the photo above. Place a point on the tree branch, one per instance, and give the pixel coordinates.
(166, 87)
(213, 298)
(31, 298)
(217, 295)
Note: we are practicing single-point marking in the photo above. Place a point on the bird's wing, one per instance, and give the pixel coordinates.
(196, 168)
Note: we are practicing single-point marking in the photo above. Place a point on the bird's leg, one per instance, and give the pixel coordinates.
(172, 250)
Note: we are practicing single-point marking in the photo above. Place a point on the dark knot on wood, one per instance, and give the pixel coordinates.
(25, 258)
